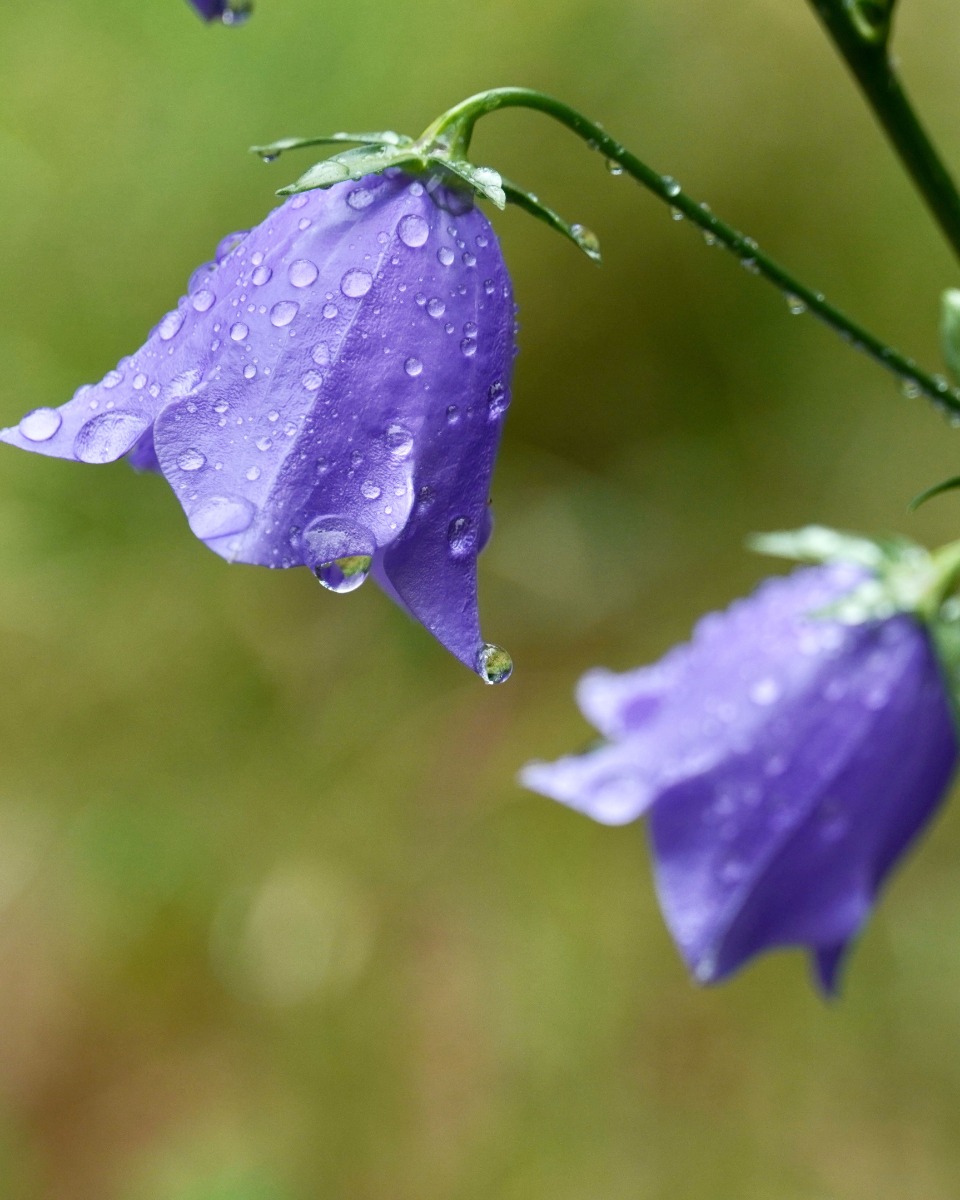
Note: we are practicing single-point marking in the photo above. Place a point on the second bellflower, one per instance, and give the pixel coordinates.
(785, 760)
(329, 393)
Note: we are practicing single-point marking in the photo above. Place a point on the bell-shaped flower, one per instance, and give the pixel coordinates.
(329, 393)
(785, 761)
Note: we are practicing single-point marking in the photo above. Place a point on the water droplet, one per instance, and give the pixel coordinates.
(238, 332)
(312, 381)
(468, 347)
(489, 286)
(139, 381)
(330, 311)
(203, 300)
(676, 214)
(356, 283)
(221, 516)
(261, 276)
(413, 367)
(304, 223)
(270, 156)
(360, 198)
(445, 256)
(453, 414)
(302, 273)
(283, 313)
(494, 664)
(263, 443)
(910, 389)
(273, 415)
(461, 537)
(436, 307)
(399, 441)
(40, 425)
(249, 371)
(106, 437)
(170, 325)
(339, 552)
(498, 399)
(413, 230)
(586, 239)
(253, 474)
(795, 304)
(190, 460)
(321, 354)
(298, 201)
(670, 186)
(369, 490)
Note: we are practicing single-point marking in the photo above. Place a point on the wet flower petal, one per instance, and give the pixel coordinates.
(343, 368)
(785, 761)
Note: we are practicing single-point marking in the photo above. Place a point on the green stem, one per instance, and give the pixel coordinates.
(868, 58)
(455, 128)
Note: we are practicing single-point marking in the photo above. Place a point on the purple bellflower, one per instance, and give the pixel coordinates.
(329, 393)
(230, 12)
(785, 760)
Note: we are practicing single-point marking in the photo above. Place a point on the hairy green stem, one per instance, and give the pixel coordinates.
(455, 128)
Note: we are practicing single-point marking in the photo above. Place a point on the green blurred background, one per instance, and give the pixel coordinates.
(275, 921)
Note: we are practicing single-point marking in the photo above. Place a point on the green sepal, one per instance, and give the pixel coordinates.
(945, 485)
(485, 181)
(387, 137)
(903, 575)
(351, 164)
(581, 237)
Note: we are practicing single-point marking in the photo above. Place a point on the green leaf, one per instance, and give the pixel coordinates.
(485, 181)
(578, 234)
(945, 485)
(950, 329)
(387, 137)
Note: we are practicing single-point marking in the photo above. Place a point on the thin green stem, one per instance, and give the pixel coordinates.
(456, 126)
(868, 58)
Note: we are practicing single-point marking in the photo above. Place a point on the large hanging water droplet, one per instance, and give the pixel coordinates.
(494, 664)
(586, 239)
(40, 425)
(339, 552)
(104, 438)
(670, 186)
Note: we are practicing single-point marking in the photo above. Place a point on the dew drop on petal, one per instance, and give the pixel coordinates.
(498, 399)
(170, 325)
(321, 354)
(283, 313)
(190, 460)
(111, 379)
(413, 367)
(468, 347)
(107, 436)
(494, 664)
(369, 490)
(40, 425)
(261, 276)
(461, 537)
(238, 332)
(356, 283)
(445, 256)
(263, 443)
(302, 273)
(312, 381)
(253, 474)
(436, 307)
(399, 441)
(330, 311)
(413, 230)
(221, 516)
(203, 300)
(249, 371)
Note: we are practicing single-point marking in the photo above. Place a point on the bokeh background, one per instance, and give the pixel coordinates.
(276, 922)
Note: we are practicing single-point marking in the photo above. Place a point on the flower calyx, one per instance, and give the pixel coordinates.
(439, 154)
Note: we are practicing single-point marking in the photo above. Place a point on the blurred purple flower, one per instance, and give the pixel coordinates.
(329, 393)
(230, 12)
(786, 762)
